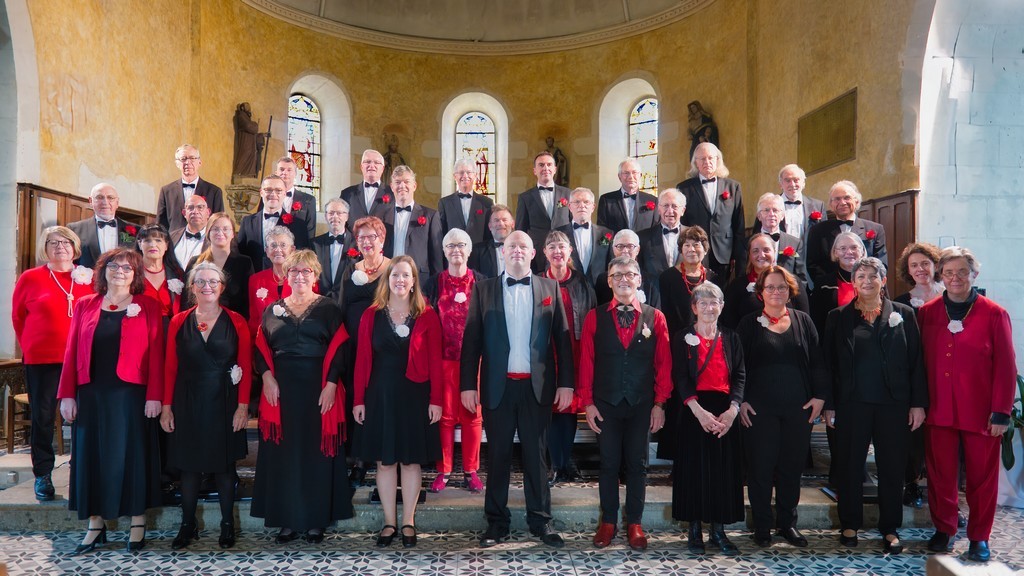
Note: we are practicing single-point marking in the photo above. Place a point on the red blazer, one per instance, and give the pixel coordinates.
(424, 363)
(971, 374)
(265, 279)
(141, 360)
(243, 360)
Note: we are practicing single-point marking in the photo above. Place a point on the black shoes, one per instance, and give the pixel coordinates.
(892, 545)
(286, 535)
(717, 538)
(100, 538)
(409, 540)
(978, 551)
(762, 538)
(136, 545)
(493, 536)
(848, 541)
(44, 488)
(385, 540)
(227, 535)
(357, 477)
(961, 520)
(186, 534)
(315, 536)
(912, 496)
(548, 536)
(695, 539)
(939, 542)
(565, 475)
(793, 536)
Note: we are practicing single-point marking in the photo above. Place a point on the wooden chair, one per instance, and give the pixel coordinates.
(19, 421)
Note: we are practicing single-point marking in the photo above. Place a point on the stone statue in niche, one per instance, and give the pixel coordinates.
(561, 162)
(392, 158)
(248, 143)
(701, 126)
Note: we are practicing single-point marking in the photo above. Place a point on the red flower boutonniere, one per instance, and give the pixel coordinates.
(563, 202)
(127, 236)
(385, 199)
(296, 205)
(788, 251)
(287, 218)
(131, 230)
(606, 239)
(352, 253)
(649, 206)
(725, 195)
(870, 234)
(816, 215)
(421, 221)
(479, 211)
(546, 301)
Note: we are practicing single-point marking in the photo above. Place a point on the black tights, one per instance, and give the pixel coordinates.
(190, 481)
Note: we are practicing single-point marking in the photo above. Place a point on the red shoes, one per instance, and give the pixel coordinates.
(636, 536)
(604, 535)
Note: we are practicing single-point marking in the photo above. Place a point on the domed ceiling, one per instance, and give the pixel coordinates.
(480, 26)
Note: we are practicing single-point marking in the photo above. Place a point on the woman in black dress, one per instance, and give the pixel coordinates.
(237, 267)
(740, 298)
(111, 388)
(300, 467)
(785, 391)
(708, 371)
(359, 287)
(398, 393)
(206, 399)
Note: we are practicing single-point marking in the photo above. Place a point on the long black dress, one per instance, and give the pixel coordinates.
(297, 486)
(115, 463)
(205, 400)
(238, 269)
(354, 301)
(397, 428)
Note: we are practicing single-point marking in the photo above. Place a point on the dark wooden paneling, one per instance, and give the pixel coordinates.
(898, 215)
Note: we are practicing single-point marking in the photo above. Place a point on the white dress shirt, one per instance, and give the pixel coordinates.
(630, 206)
(335, 257)
(548, 198)
(268, 225)
(188, 247)
(369, 193)
(188, 192)
(401, 229)
(794, 216)
(670, 242)
(584, 248)
(710, 193)
(465, 203)
(518, 301)
(107, 235)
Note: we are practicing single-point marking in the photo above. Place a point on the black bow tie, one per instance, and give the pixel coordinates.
(465, 196)
(404, 209)
(548, 188)
(585, 226)
(667, 231)
(525, 281)
(625, 314)
(288, 193)
(709, 180)
(627, 195)
(196, 236)
(847, 222)
(368, 185)
(340, 238)
(103, 223)
(192, 185)
(792, 202)
(774, 236)
(498, 244)
(267, 216)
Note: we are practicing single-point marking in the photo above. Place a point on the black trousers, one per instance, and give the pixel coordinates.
(41, 381)
(561, 436)
(857, 424)
(915, 458)
(776, 449)
(623, 443)
(518, 411)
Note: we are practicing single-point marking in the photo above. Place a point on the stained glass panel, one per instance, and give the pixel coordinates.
(643, 142)
(304, 143)
(475, 140)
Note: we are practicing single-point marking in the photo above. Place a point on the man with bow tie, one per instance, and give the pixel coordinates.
(173, 196)
(254, 227)
(332, 249)
(466, 209)
(844, 199)
(412, 228)
(543, 208)
(104, 231)
(490, 261)
(297, 204)
(190, 240)
(802, 211)
(627, 207)
(371, 197)
(715, 203)
(591, 243)
(659, 244)
(789, 249)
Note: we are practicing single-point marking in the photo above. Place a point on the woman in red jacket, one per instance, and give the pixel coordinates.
(398, 381)
(42, 308)
(969, 358)
(110, 389)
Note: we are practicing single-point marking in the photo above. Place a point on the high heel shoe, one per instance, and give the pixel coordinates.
(227, 535)
(101, 538)
(136, 546)
(186, 534)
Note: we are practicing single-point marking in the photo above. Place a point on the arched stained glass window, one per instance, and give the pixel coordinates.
(643, 142)
(475, 140)
(304, 143)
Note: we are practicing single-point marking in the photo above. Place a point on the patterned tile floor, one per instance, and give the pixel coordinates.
(456, 554)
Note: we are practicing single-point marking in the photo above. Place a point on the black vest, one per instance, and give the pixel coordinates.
(624, 373)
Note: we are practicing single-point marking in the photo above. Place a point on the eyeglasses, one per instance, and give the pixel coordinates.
(304, 272)
(961, 274)
(770, 211)
(367, 238)
(582, 202)
(114, 267)
(627, 275)
(222, 230)
(458, 246)
(622, 247)
(709, 304)
(195, 207)
(336, 213)
(692, 246)
(212, 283)
(59, 243)
(184, 159)
(776, 289)
(279, 246)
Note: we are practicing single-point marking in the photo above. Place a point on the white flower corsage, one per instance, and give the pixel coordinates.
(763, 320)
(646, 331)
(236, 374)
(262, 293)
(359, 278)
(82, 275)
(895, 319)
(692, 339)
(916, 302)
(133, 310)
(460, 297)
(279, 311)
(641, 297)
(750, 287)
(955, 326)
(402, 330)
(175, 285)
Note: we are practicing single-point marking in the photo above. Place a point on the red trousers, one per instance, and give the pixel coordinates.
(981, 457)
(454, 413)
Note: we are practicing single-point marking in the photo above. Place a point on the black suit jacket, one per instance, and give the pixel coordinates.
(823, 235)
(611, 211)
(250, 238)
(332, 286)
(449, 209)
(600, 251)
(485, 260)
(726, 229)
(810, 206)
(172, 200)
(532, 218)
(87, 233)
(422, 241)
(176, 236)
(357, 204)
(796, 262)
(652, 255)
(485, 344)
(307, 216)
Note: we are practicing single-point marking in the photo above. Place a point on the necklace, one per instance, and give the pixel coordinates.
(148, 271)
(371, 271)
(871, 313)
(700, 279)
(772, 319)
(204, 326)
(551, 274)
(68, 293)
(956, 326)
(114, 306)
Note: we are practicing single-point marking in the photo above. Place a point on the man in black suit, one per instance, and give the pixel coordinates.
(297, 204)
(517, 345)
(591, 243)
(412, 228)
(802, 211)
(715, 203)
(254, 227)
(189, 240)
(489, 260)
(789, 249)
(332, 249)
(544, 207)
(844, 199)
(466, 209)
(627, 207)
(174, 195)
(371, 197)
(659, 246)
(104, 231)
